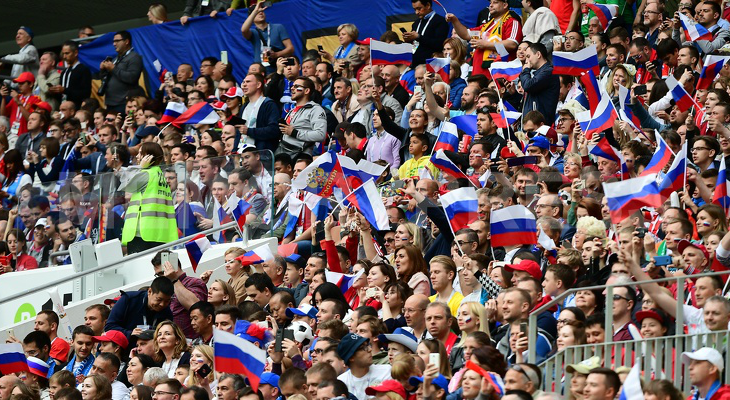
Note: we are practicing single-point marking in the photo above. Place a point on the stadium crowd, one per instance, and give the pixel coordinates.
(428, 307)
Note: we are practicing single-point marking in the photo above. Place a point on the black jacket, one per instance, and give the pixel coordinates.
(77, 84)
(400, 94)
(542, 91)
(123, 78)
(431, 39)
(131, 310)
(266, 133)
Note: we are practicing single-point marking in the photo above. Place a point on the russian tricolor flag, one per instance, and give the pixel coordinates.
(460, 206)
(674, 179)
(201, 113)
(258, 255)
(513, 225)
(625, 112)
(239, 209)
(591, 89)
(506, 116)
(235, 355)
(442, 162)
(631, 389)
(172, 112)
(466, 123)
(721, 197)
(605, 13)
(343, 281)
(602, 118)
(628, 196)
(186, 221)
(382, 53)
(577, 63)
(369, 170)
(448, 137)
(322, 176)
(604, 149)
(367, 200)
(694, 31)
(661, 157)
(195, 248)
(711, 69)
(681, 98)
(294, 210)
(12, 358)
(507, 70)
(439, 66)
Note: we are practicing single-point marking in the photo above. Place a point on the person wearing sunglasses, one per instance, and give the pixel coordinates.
(624, 299)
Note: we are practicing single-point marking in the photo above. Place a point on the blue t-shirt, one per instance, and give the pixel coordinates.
(261, 37)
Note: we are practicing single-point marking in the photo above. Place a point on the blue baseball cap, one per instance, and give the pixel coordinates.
(439, 381)
(267, 378)
(348, 346)
(539, 141)
(28, 31)
(147, 131)
(304, 310)
(296, 259)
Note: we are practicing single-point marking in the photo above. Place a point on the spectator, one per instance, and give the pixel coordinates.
(260, 113)
(538, 82)
(142, 308)
(270, 41)
(17, 104)
(121, 74)
(356, 351)
(306, 124)
(27, 58)
(426, 41)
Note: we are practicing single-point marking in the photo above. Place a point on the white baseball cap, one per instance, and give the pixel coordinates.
(704, 354)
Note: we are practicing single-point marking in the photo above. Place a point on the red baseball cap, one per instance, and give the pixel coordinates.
(528, 266)
(115, 337)
(365, 41)
(684, 243)
(25, 77)
(389, 385)
(233, 92)
(43, 105)
(112, 301)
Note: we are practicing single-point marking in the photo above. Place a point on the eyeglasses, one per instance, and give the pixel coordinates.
(699, 149)
(365, 347)
(54, 130)
(463, 242)
(160, 392)
(109, 119)
(117, 40)
(651, 12)
(564, 321)
(412, 310)
(69, 130)
(391, 240)
(619, 297)
(297, 86)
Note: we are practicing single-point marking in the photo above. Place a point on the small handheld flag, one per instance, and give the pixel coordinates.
(574, 64)
(382, 53)
(367, 200)
(513, 225)
(257, 255)
(439, 66)
(461, 207)
(235, 355)
(694, 31)
(195, 248)
(12, 358)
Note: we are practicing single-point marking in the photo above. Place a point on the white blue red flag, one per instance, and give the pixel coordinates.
(630, 195)
(631, 389)
(513, 225)
(236, 355)
(605, 13)
(461, 207)
(448, 138)
(604, 149)
(239, 210)
(294, 210)
(508, 70)
(575, 64)
(257, 255)
(710, 70)
(439, 66)
(694, 31)
(602, 118)
(682, 99)
(443, 163)
(12, 358)
(721, 197)
(172, 112)
(322, 176)
(367, 200)
(466, 123)
(661, 157)
(382, 53)
(201, 113)
(675, 177)
(195, 248)
(344, 281)
(625, 111)
(591, 89)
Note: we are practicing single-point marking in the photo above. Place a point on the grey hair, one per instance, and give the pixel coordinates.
(154, 375)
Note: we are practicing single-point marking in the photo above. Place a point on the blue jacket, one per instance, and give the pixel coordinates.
(455, 92)
(542, 90)
(131, 310)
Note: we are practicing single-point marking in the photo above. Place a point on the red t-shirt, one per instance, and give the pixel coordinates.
(562, 9)
(13, 113)
(511, 30)
(60, 349)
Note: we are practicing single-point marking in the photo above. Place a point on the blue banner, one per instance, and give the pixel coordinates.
(308, 22)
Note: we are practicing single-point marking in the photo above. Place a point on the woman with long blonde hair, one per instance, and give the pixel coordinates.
(170, 347)
(201, 355)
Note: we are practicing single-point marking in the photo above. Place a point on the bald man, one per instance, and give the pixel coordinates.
(428, 188)
(391, 75)
(414, 312)
(282, 190)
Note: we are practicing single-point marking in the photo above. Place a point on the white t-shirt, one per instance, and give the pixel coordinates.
(374, 377)
(120, 391)
(694, 320)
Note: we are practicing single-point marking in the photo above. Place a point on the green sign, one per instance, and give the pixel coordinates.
(25, 312)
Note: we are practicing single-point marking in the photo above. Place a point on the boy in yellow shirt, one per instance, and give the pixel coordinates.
(417, 147)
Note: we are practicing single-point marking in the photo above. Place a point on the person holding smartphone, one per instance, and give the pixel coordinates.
(270, 41)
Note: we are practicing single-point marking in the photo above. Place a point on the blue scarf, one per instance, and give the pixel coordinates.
(714, 388)
(84, 368)
(343, 52)
(286, 102)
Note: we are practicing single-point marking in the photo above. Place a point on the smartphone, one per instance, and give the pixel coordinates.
(172, 257)
(641, 232)
(403, 30)
(346, 64)
(266, 4)
(640, 90)
(289, 61)
(278, 339)
(11, 332)
(204, 371)
(224, 56)
(434, 358)
(580, 185)
(660, 261)
(494, 168)
(518, 161)
(532, 189)
(398, 184)
(498, 264)
(523, 328)
(190, 82)
(320, 48)
(319, 232)
(109, 58)
(559, 39)
(370, 293)
(164, 257)
(567, 244)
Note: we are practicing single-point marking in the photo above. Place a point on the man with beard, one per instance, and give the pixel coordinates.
(468, 101)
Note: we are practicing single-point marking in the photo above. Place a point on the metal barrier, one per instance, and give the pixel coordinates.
(532, 324)
(659, 358)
